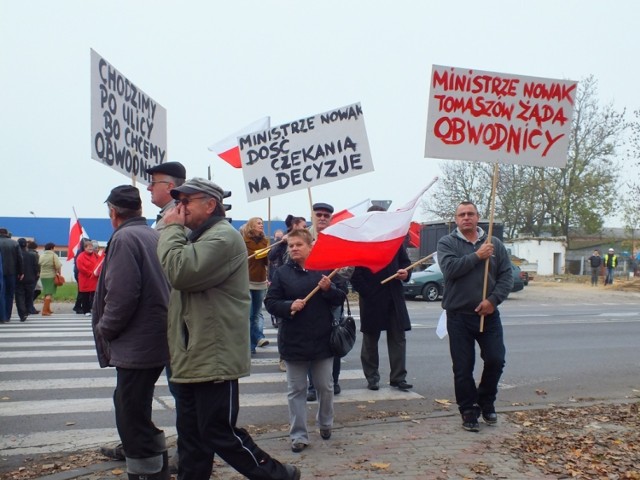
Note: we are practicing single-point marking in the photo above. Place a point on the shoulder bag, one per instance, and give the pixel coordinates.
(343, 334)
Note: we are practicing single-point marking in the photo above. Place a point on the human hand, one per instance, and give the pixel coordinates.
(175, 215)
(485, 308)
(485, 251)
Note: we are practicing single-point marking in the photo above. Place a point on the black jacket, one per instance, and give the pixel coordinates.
(304, 336)
(378, 303)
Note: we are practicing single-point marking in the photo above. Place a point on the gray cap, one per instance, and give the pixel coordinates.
(199, 185)
(322, 206)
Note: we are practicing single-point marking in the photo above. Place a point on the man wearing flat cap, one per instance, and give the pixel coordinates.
(164, 178)
(129, 321)
(208, 335)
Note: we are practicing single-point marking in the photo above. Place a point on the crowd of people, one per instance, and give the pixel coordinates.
(172, 297)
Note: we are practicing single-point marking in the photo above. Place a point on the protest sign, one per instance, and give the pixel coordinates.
(499, 118)
(311, 151)
(128, 128)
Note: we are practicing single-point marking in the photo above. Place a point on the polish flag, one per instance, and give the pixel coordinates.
(414, 234)
(228, 149)
(355, 211)
(370, 240)
(76, 234)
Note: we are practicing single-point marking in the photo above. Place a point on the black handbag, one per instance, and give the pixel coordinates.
(343, 334)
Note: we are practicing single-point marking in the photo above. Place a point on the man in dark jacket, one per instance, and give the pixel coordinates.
(26, 286)
(382, 307)
(462, 256)
(595, 261)
(130, 329)
(12, 271)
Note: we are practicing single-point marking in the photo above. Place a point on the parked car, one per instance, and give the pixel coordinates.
(429, 284)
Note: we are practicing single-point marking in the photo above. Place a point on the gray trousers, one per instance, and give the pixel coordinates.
(297, 396)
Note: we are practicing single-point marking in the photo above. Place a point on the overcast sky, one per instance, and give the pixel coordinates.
(216, 66)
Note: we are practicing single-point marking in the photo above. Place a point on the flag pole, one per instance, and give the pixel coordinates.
(414, 264)
(315, 290)
(269, 216)
(489, 234)
(258, 253)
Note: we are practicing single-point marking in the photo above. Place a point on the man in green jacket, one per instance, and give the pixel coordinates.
(208, 334)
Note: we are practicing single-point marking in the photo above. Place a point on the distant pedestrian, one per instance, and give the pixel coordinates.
(12, 271)
(89, 265)
(26, 286)
(595, 261)
(256, 241)
(37, 288)
(610, 262)
(50, 265)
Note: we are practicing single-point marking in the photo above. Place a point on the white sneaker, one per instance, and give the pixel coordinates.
(263, 342)
(87, 314)
(282, 366)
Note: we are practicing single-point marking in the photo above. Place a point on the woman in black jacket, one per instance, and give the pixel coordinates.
(303, 336)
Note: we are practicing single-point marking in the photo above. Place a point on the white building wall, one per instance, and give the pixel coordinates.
(548, 253)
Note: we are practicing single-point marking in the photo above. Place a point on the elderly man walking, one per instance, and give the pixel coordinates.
(208, 335)
(129, 321)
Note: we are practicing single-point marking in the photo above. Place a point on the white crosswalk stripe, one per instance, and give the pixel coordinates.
(54, 397)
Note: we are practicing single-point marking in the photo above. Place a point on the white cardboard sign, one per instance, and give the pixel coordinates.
(496, 117)
(128, 128)
(324, 148)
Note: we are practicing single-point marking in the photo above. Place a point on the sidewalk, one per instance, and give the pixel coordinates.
(433, 447)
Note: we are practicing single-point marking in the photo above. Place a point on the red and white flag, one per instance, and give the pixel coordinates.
(76, 234)
(414, 234)
(355, 211)
(228, 149)
(370, 240)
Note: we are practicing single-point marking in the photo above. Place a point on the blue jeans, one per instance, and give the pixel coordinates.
(464, 331)
(609, 279)
(256, 320)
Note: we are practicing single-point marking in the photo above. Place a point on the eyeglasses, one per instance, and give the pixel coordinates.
(153, 184)
(186, 200)
(323, 215)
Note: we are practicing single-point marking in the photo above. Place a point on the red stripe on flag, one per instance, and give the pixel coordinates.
(334, 252)
(232, 157)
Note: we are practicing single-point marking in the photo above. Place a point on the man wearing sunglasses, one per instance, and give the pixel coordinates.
(208, 335)
(164, 178)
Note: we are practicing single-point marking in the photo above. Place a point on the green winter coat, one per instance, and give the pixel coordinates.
(208, 325)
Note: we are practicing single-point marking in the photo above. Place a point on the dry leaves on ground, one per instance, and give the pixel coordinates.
(599, 442)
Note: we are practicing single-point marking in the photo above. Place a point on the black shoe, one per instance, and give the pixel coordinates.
(293, 471)
(325, 433)
(470, 421)
(297, 447)
(312, 396)
(373, 385)
(490, 418)
(22, 319)
(336, 389)
(402, 385)
(116, 453)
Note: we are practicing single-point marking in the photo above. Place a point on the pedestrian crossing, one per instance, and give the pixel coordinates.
(55, 398)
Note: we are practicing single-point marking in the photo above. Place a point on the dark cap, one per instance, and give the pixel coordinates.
(22, 242)
(323, 206)
(125, 196)
(173, 169)
(199, 185)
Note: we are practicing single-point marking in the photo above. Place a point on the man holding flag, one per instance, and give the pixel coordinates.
(462, 256)
(382, 307)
